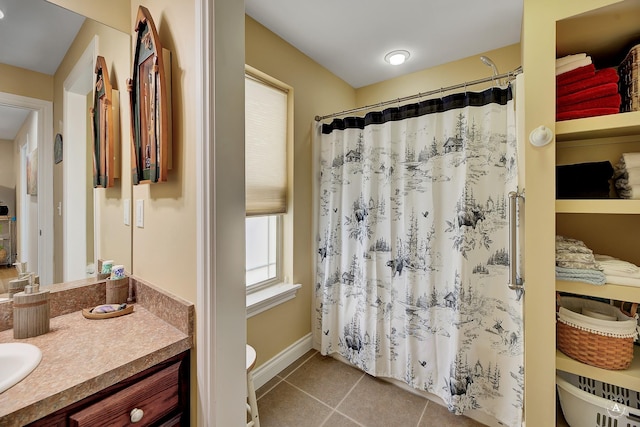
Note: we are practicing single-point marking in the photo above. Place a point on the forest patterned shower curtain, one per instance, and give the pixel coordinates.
(412, 260)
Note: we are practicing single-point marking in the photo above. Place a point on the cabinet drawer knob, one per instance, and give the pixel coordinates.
(136, 415)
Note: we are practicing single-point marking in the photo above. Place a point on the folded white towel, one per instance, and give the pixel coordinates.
(617, 267)
(634, 176)
(569, 58)
(573, 65)
(631, 160)
(622, 281)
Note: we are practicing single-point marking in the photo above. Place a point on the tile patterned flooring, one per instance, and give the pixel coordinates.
(319, 391)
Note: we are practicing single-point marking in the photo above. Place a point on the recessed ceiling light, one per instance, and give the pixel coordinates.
(396, 57)
(1, 14)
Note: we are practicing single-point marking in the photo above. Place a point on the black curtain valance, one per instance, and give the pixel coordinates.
(450, 102)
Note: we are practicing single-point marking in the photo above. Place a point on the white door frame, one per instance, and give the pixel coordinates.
(221, 296)
(76, 86)
(44, 110)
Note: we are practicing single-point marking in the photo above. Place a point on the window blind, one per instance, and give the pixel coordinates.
(265, 148)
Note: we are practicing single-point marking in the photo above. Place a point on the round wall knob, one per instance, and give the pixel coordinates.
(540, 136)
(136, 415)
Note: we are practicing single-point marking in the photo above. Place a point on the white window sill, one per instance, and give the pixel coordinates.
(267, 298)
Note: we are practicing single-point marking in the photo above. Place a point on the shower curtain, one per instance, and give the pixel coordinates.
(412, 249)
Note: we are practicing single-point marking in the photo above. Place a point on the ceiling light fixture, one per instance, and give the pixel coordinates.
(396, 57)
(1, 14)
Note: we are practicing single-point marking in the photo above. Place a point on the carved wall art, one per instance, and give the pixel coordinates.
(102, 125)
(149, 92)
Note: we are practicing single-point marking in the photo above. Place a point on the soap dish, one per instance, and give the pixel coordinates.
(87, 312)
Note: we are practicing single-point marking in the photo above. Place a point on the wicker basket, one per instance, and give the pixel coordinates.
(606, 344)
(628, 83)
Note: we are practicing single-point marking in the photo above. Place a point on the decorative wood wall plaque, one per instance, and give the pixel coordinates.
(150, 105)
(103, 129)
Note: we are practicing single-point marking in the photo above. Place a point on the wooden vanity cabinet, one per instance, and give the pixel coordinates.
(160, 392)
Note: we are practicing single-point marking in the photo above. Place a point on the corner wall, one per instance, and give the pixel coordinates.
(316, 92)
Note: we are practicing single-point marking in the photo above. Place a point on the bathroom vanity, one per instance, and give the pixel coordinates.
(108, 371)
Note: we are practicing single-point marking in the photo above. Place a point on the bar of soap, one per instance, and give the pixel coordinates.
(108, 308)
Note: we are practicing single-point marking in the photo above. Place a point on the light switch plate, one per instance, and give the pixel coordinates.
(127, 211)
(140, 213)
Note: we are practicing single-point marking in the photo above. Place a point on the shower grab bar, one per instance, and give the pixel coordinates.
(514, 283)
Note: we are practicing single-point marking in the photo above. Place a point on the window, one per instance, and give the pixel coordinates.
(262, 249)
(266, 140)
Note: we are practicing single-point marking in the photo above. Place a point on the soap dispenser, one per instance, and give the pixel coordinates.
(31, 311)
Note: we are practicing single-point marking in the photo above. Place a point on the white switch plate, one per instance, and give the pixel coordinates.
(140, 213)
(127, 212)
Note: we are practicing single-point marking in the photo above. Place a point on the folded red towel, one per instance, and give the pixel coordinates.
(587, 94)
(611, 101)
(579, 114)
(606, 75)
(577, 74)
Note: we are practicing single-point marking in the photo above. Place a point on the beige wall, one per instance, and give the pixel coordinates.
(452, 73)
(316, 92)
(164, 251)
(114, 13)
(32, 84)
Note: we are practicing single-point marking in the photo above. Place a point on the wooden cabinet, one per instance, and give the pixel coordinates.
(159, 395)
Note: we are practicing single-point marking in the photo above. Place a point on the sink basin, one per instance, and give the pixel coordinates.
(17, 360)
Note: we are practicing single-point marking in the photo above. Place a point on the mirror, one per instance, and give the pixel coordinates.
(62, 224)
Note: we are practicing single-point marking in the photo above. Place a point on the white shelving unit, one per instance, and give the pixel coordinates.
(607, 226)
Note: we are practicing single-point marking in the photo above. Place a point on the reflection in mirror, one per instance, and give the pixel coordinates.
(63, 225)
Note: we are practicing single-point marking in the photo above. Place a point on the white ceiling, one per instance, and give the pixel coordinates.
(350, 38)
(34, 35)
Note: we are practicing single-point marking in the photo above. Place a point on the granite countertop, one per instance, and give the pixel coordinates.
(81, 357)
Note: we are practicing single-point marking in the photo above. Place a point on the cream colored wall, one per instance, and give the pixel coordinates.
(114, 46)
(164, 250)
(32, 84)
(114, 13)
(316, 92)
(452, 73)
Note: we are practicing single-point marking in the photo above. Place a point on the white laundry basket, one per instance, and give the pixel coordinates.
(586, 402)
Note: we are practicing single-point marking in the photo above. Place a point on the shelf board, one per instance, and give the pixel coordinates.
(622, 124)
(598, 206)
(628, 378)
(617, 292)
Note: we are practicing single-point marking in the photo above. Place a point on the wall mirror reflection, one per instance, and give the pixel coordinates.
(59, 224)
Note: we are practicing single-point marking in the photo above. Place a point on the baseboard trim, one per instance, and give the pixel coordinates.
(263, 373)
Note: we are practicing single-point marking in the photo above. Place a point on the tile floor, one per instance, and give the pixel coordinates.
(319, 391)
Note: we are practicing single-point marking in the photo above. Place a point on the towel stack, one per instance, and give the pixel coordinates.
(575, 262)
(618, 272)
(627, 176)
(583, 91)
(584, 180)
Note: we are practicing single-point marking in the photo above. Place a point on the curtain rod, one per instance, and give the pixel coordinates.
(508, 75)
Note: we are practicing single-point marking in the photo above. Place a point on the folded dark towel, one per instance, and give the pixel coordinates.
(583, 180)
(581, 114)
(606, 75)
(575, 75)
(611, 101)
(587, 94)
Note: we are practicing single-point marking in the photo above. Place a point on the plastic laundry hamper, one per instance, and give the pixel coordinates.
(588, 402)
